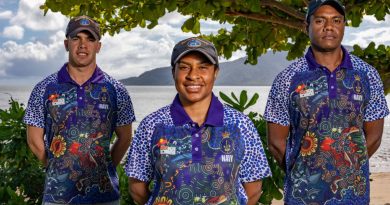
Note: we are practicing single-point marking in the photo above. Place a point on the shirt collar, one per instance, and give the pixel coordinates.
(345, 63)
(64, 77)
(214, 114)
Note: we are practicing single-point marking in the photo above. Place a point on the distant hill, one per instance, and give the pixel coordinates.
(231, 72)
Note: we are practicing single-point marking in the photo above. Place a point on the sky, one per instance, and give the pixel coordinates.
(31, 44)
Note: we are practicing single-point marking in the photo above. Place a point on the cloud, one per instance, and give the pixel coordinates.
(370, 30)
(31, 16)
(6, 14)
(32, 58)
(13, 32)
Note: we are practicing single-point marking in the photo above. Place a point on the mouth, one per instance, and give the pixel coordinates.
(193, 87)
(82, 54)
(329, 37)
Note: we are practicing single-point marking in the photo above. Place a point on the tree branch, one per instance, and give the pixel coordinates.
(286, 9)
(298, 25)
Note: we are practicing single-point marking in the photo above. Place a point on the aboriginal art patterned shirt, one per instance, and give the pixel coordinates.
(197, 165)
(326, 153)
(78, 124)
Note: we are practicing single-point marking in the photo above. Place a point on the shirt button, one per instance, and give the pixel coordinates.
(331, 76)
(197, 135)
(332, 87)
(196, 149)
(81, 88)
(80, 98)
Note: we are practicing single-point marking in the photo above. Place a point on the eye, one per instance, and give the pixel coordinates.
(75, 38)
(184, 68)
(319, 21)
(337, 21)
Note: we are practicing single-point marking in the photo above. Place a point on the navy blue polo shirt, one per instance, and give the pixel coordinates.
(78, 123)
(193, 164)
(326, 153)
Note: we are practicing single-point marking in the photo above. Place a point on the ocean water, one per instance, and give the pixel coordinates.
(147, 99)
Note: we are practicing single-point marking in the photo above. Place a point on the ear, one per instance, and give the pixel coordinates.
(99, 47)
(216, 71)
(66, 44)
(307, 26)
(173, 72)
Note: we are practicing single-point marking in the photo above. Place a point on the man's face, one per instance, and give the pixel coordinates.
(194, 77)
(82, 49)
(326, 29)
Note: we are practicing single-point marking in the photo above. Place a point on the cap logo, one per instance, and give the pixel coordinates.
(84, 22)
(194, 43)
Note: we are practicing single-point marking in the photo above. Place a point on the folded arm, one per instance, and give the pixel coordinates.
(373, 131)
(118, 150)
(36, 142)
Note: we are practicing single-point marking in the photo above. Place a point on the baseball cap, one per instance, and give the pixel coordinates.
(194, 44)
(315, 4)
(83, 23)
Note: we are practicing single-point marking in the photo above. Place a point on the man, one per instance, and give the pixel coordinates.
(196, 150)
(71, 116)
(325, 116)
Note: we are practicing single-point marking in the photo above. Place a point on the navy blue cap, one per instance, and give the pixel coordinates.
(194, 44)
(315, 4)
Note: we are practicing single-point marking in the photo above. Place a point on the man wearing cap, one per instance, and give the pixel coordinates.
(71, 116)
(196, 150)
(325, 116)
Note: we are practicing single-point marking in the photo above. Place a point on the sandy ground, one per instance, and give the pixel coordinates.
(380, 189)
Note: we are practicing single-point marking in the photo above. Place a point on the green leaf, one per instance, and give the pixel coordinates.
(252, 101)
(225, 98)
(188, 25)
(243, 98)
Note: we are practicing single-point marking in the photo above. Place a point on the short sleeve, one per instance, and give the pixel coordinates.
(254, 165)
(35, 111)
(276, 110)
(377, 106)
(125, 106)
(139, 159)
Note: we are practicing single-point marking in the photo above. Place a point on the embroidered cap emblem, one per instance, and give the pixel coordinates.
(194, 43)
(84, 22)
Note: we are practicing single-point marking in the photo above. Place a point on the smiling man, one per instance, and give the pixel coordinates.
(325, 116)
(71, 116)
(196, 150)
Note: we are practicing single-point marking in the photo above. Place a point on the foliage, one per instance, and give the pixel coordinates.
(257, 25)
(123, 188)
(17, 162)
(380, 58)
(272, 186)
(21, 174)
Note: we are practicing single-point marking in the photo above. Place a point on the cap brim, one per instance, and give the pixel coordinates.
(198, 50)
(78, 30)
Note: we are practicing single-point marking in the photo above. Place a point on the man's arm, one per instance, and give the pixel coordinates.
(277, 135)
(139, 191)
(123, 134)
(36, 143)
(373, 131)
(253, 191)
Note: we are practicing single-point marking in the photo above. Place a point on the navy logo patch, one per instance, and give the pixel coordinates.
(84, 22)
(194, 43)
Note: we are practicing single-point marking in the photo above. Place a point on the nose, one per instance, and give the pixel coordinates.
(328, 26)
(193, 74)
(82, 43)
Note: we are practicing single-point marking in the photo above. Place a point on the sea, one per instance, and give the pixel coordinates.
(147, 99)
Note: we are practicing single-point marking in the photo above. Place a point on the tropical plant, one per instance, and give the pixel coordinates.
(21, 174)
(272, 186)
